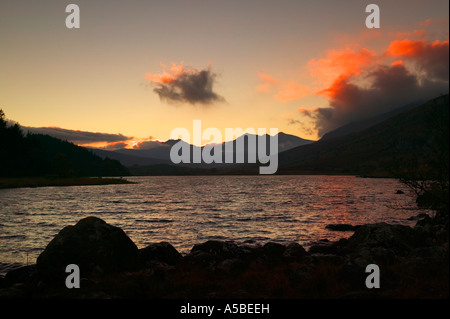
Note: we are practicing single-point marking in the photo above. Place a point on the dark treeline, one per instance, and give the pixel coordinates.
(32, 155)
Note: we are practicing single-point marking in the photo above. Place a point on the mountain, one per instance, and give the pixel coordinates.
(416, 139)
(366, 123)
(285, 141)
(38, 155)
(155, 152)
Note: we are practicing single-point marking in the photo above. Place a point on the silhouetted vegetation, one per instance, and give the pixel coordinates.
(37, 155)
(426, 171)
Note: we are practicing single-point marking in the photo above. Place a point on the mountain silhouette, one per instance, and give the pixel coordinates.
(417, 137)
(366, 123)
(156, 152)
(409, 139)
(387, 145)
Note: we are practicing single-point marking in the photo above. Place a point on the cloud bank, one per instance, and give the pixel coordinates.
(360, 82)
(78, 137)
(374, 88)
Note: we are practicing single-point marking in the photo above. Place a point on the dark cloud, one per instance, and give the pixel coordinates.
(421, 74)
(185, 85)
(391, 87)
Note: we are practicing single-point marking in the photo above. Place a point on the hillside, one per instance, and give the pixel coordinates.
(417, 138)
(366, 123)
(37, 155)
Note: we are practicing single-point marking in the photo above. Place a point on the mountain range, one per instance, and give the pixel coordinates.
(156, 152)
(413, 138)
(378, 146)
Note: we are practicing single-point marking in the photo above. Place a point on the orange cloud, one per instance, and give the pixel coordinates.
(174, 72)
(398, 62)
(106, 145)
(293, 91)
(339, 63)
(431, 58)
(361, 83)
(413, 34)
(268, 82)
(406, 48)
(287, 90)
(413, 48)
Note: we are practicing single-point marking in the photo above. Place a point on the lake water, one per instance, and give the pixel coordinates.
(193, 209)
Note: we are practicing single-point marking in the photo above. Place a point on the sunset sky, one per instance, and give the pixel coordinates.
(142, 68)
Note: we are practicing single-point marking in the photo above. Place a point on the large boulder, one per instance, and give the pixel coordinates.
(95, 246)
(214, 251)
(294, 252)
(399, 238)
(160, 252)
(382, 242)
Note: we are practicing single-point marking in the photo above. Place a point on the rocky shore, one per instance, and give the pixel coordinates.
(413, 263)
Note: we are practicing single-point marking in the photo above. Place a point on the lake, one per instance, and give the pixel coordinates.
(186, 210)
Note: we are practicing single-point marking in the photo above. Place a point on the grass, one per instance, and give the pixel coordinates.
(19, 182)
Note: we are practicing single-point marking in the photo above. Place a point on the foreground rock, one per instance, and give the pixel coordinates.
(92, 244)
(159, 252)
(381, 243)
(414, 263)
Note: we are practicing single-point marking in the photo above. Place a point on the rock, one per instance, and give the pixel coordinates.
(17, 291)
(161, 252)
(92, 244)
(401, 239)
(381, 242)
(328, 247)
(376, 255)
(399, 192)
(210, 255)
(23, 275)
(321, 249)
(330, 259)
(273, 251)
(218, 249)
(341, 227)
(294, 252)
(233, 266)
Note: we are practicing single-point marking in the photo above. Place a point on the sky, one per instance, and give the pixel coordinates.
(136, 70)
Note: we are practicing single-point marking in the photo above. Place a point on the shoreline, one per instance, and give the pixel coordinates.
(413, 261)
(32, 182)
